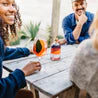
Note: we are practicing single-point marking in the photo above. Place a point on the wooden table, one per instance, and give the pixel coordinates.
(53, 79)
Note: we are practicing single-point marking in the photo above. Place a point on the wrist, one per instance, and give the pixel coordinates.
(31, 51)
(80, 24)
(77, 42)
(25, 73)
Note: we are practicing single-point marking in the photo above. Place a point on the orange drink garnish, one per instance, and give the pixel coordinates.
(40, 47)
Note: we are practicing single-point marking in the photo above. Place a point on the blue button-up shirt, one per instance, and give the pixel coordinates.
(69, 24)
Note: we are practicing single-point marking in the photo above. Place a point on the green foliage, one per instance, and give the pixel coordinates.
(23, 34)
(48, 29)
(15, 42)
(32, 29)
(49, 42)
(60, 37)
(29, 31)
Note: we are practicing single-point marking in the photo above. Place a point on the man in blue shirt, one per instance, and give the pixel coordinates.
(76, 25)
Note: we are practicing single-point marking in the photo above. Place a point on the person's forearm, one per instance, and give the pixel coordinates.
(77, 31)
(14, 53)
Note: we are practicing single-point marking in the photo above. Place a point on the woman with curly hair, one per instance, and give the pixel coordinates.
(9, 22)
(84, 68)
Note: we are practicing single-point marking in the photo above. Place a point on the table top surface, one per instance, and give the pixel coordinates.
(54, 75)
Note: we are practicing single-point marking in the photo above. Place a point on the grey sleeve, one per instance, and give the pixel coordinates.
(77, 72)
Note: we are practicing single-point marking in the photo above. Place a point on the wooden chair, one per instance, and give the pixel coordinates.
(23, 93)
(81, 93)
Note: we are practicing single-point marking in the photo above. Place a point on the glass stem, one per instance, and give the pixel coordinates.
(39, 59)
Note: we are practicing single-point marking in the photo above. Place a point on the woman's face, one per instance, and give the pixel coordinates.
(7, 11)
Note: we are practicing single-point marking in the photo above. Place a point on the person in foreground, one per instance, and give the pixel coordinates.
(84, 67)
(76, 25)
(9, 20)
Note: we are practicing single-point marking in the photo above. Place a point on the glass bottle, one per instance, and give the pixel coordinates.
(55, 51)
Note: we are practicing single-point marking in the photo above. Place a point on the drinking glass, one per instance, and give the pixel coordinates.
(40, 44)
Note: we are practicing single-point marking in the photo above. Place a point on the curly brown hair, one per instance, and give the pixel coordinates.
(5, 29)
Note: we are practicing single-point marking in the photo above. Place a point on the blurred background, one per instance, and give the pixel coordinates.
(41, 11)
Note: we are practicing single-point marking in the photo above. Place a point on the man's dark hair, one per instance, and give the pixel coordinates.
(77, 0)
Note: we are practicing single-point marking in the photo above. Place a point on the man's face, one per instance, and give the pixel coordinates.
(79, 7)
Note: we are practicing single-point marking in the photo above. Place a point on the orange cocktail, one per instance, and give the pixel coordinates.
(40, 47)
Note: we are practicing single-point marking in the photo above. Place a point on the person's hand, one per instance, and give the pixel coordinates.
(31, 67)
(77, 42)
(62, 41)
(82, 18)
(31, 50)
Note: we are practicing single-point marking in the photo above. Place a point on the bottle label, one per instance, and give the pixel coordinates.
(55, 57)
(55, 52)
